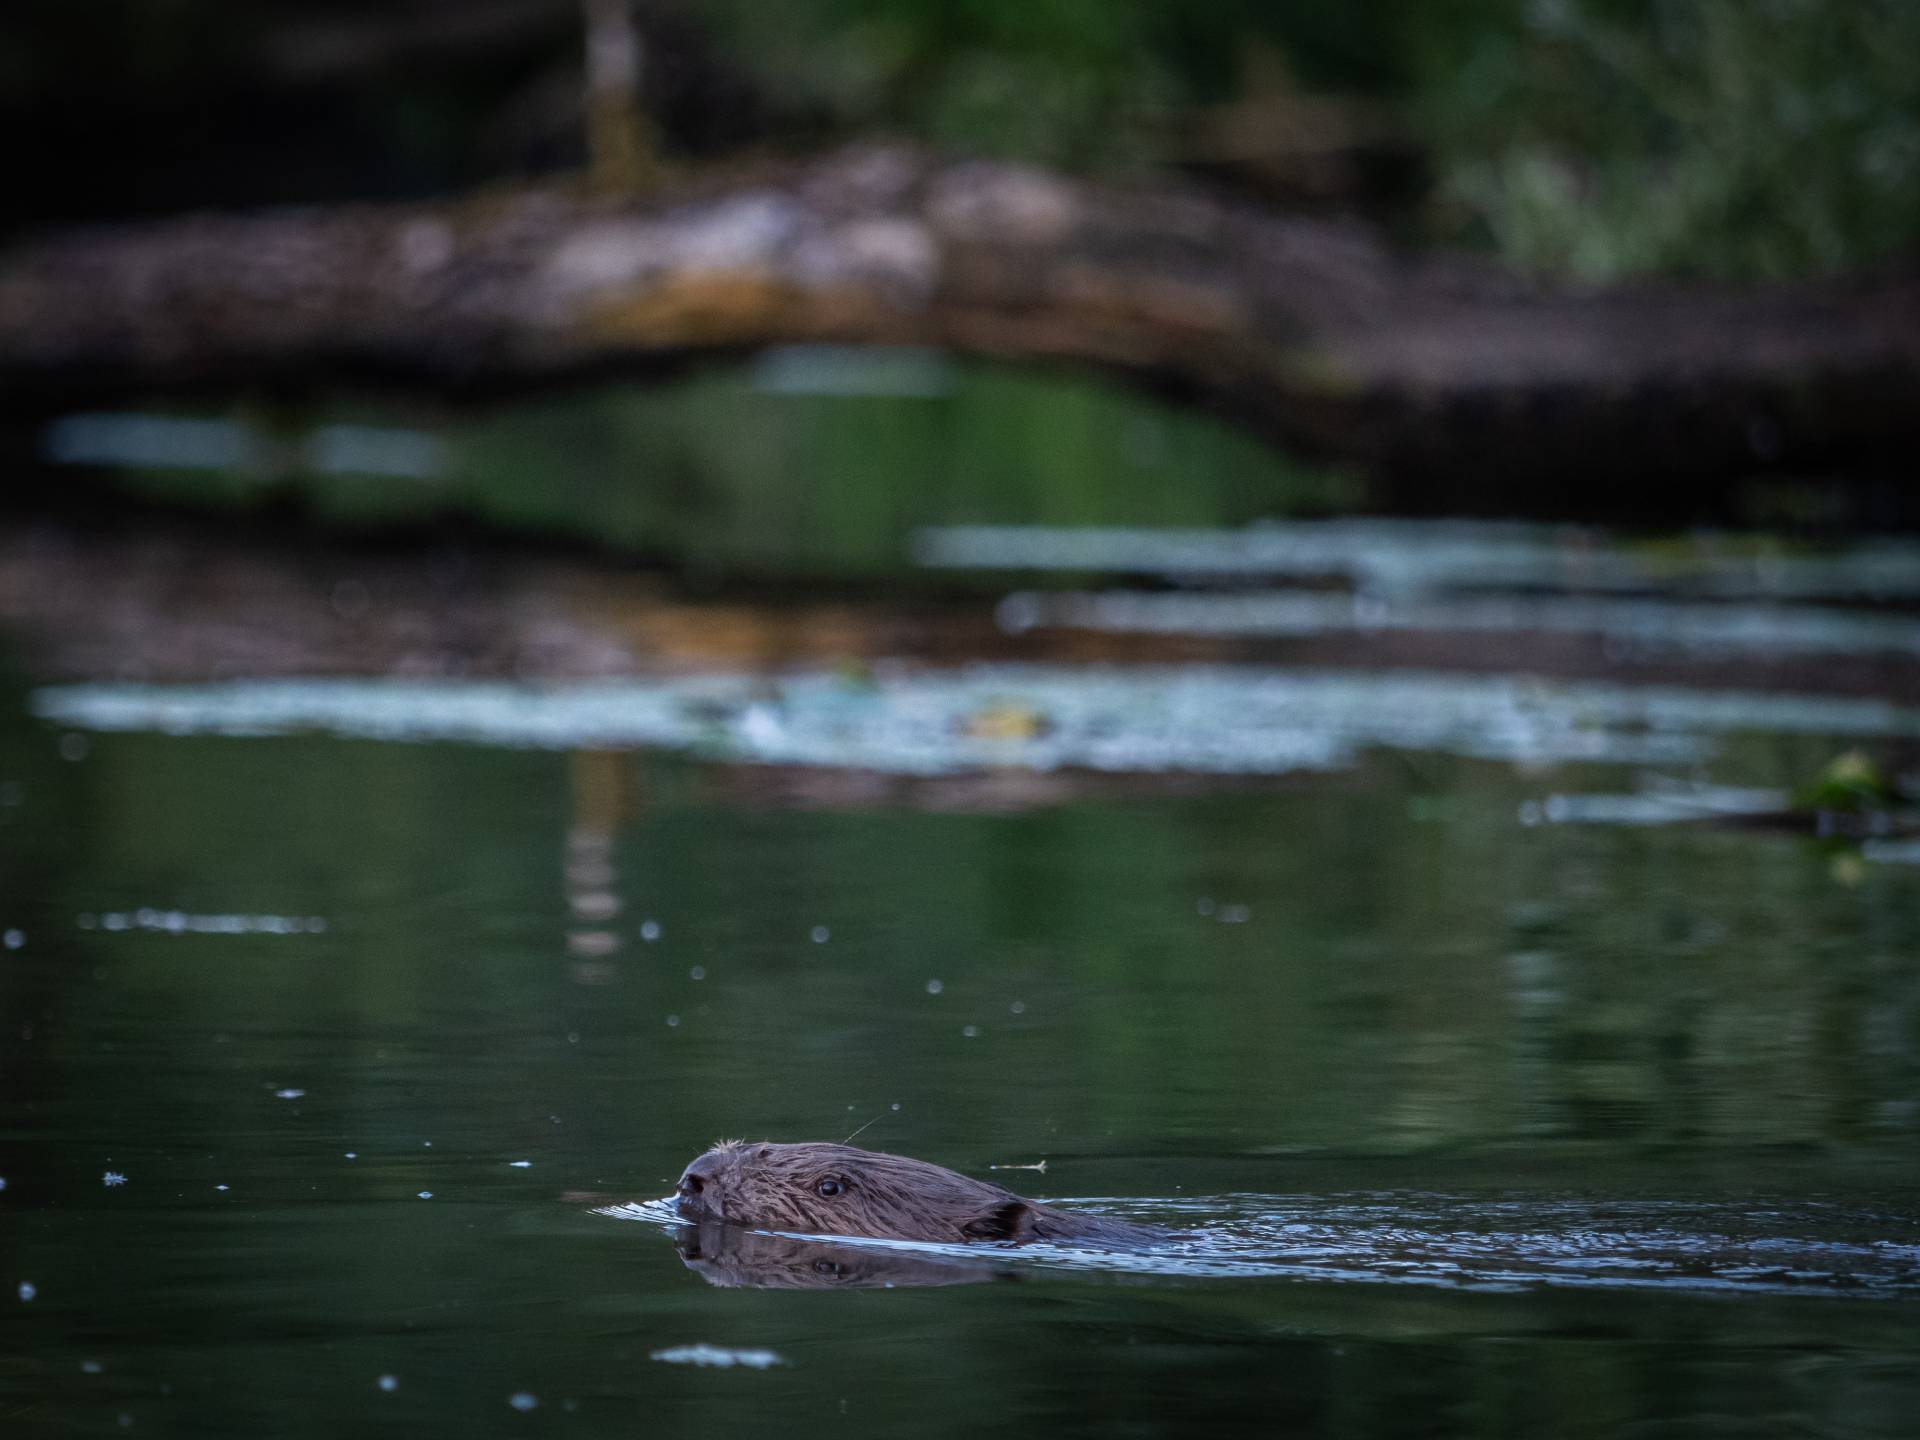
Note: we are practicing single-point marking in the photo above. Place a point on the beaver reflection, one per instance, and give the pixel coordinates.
(732, 1258)
(823, 1189)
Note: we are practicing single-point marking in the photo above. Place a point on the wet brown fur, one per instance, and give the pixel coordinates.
(886, 1197)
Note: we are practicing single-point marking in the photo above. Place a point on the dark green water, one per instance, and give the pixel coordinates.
(1486, 1129)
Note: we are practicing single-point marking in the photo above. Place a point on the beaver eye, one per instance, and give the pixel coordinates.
(829, 1188)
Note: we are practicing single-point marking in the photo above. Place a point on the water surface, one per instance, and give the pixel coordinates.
(324, 1055)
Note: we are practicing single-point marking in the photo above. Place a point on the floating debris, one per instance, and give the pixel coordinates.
(1222, 720)
(1851, 783)
(179, 922)
(1892, 852)
(1412, 557)
(1658, 803)
(714, 1355)
(1697, 629)
(1007, 721)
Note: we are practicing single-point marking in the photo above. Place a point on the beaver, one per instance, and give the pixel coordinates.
(825, 1189)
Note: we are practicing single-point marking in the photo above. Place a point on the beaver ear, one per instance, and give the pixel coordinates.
(1010, 1220)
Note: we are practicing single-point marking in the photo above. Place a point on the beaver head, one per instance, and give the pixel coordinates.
(821, 1189)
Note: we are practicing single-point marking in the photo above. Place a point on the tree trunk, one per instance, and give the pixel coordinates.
(1313, 332)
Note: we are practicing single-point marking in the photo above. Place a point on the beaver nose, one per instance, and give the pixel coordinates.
(695, 1179)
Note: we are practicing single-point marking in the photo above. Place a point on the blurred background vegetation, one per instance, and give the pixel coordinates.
(1588, 140)
(1594, 137)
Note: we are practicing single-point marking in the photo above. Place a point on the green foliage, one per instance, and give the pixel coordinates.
(1595, 138)
(1740, 137)
(1852, 783)
(1090, 83)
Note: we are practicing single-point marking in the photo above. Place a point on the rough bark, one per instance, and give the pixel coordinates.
(1312, 331)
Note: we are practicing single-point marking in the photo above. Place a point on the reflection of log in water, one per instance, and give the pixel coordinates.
(732, 1258)
(177, 602)
(602, 786)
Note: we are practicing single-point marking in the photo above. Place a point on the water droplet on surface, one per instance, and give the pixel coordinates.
(288, 1094)
(521, 1400)
(820, 934)
(520, 1164)
(698, 972)
(934, 987)
(27, 1290)
(650, 930)
(388, 1383)
(970, 1031)
(14, 939)
(1018, 1007)
(673, 1020)
(426, 1194)
(113, 1178)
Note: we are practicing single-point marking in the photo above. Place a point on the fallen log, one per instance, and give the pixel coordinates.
(1315, 332)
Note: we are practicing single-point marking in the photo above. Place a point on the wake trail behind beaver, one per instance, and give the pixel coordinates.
(1799, 1247)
